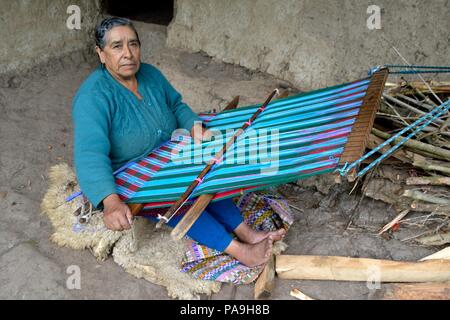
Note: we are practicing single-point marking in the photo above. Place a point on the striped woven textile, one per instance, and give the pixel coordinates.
(293, 138)
(259, 210)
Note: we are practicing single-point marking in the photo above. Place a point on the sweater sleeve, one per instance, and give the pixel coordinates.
(91, 119)
(184, 115)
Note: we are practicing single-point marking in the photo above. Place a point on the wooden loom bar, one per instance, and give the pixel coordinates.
(182, 226)
(358, 138)
(202, 201)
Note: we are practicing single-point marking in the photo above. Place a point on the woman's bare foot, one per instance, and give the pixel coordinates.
(246, 234)
(251, 255)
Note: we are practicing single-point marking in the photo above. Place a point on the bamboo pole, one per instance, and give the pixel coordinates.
(360, 269)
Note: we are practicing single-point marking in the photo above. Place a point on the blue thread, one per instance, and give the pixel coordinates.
(418, 125)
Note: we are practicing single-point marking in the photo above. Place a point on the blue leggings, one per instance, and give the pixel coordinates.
(214, 225)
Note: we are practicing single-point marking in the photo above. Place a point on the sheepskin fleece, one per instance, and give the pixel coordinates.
(147, 253)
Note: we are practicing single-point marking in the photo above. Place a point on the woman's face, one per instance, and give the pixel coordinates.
(122, 52)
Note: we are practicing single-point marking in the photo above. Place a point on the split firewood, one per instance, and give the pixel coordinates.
(424, 181)
(266, 281)
(443, 254)
(435, 240)
(415, 291)
(300, 295)
(360, 269)
(417, 195)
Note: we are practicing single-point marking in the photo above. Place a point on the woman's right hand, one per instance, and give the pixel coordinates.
(116, 214)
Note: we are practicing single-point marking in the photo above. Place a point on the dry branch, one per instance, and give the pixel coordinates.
(415, 145)
(435, 240)
(417, 195)
(425, 181)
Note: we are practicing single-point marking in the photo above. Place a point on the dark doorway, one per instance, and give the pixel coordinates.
(151, 11)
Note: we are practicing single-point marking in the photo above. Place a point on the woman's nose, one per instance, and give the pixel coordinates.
(127, 52)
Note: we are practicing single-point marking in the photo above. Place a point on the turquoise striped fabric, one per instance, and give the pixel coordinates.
(293, 138)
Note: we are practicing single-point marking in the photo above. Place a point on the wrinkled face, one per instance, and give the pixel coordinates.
(122, 52)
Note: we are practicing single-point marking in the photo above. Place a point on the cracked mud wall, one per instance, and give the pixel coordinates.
(312, 43)
(34, 32)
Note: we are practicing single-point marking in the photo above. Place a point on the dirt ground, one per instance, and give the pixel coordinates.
(36, 133)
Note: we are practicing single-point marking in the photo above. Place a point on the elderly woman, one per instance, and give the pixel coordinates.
(124, 110)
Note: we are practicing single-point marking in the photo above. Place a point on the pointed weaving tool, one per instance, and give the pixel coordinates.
(203, 201)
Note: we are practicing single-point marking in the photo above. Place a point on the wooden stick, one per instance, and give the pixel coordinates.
(217, 157)
(299, 295)
(394, 221)
(416, 291)
(266, 281)
(425, 181)
(414, 144)
(432, 166)
(400, 154)
(407, 106)
(200, 204)
(360, 269)
(191, 216)
(428, 207)
(417, 195)
(233, 104)
(435, 240)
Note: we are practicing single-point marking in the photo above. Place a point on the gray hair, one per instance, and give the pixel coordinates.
(106, 25)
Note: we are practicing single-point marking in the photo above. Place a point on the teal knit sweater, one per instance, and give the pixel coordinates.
(113, 127)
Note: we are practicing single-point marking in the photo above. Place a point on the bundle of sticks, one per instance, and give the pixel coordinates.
(426, 185)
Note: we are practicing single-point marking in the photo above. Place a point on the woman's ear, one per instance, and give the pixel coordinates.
(101, 54)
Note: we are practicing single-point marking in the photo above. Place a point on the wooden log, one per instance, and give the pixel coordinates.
(414, 144)
(191, 216)
(266, 281)
(432, 166)
(425, 181)
(417, 195)
(415, 291)
(360, 269)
